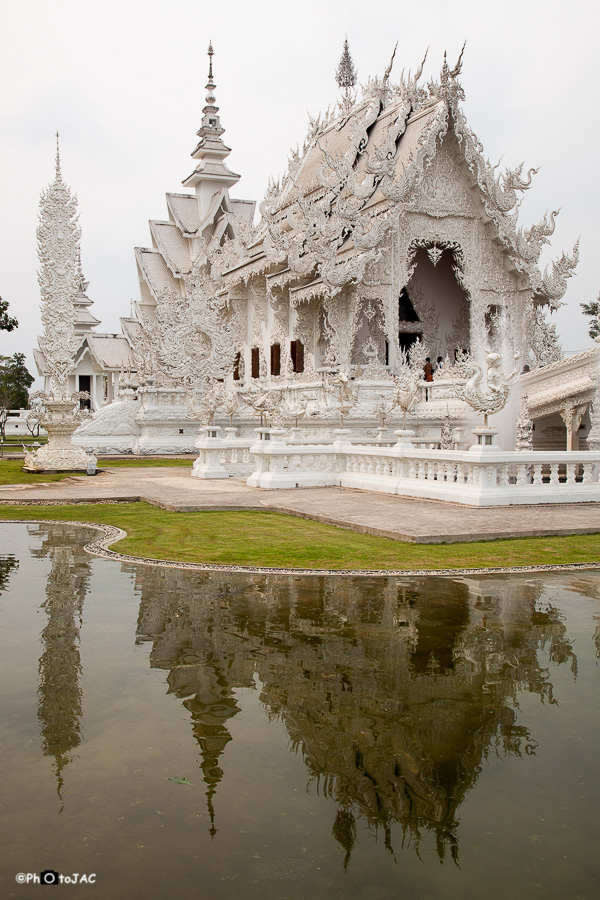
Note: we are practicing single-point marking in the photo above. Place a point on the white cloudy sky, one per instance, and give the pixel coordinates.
(123, 82)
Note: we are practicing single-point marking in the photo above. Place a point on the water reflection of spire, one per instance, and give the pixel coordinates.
(59, 692)
(394, 691)
(195, 677)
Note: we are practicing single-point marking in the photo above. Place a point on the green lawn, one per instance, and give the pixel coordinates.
(11, 470)
(19, 439)
(271, 539)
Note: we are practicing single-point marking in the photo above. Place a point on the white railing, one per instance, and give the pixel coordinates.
(221, 457)
(486, 477)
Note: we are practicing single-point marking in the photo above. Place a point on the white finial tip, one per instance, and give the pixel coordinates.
(57, 156)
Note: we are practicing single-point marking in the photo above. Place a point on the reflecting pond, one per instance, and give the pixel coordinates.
(180, 733)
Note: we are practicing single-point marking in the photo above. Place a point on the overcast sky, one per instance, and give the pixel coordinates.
(123, 82)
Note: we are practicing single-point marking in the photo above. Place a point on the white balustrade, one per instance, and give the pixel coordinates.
(473, 477)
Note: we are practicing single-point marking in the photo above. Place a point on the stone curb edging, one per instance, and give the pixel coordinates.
(112, 534)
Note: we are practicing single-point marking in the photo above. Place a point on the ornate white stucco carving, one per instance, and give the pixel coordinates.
(498, 386)
(58, 249)
(545, 346)
(60, 413)
(193, 333)
(408, 380)
(447, 434)
(342, 392)
(524, 436)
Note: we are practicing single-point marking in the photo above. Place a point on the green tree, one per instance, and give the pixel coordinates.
(7, 323)
(15, 381)
(592, 310)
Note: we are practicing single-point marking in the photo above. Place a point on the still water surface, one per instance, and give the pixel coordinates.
(329, 737)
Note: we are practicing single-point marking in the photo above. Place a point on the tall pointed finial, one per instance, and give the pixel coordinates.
(210, 86)
(211, 53)
(346, 73)
(211, 148)
(57, 164)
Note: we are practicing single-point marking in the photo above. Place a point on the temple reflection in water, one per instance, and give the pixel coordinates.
(287, 736)
(394, 690)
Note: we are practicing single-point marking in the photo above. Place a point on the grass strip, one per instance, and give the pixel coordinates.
(11, 470)
(264, 538)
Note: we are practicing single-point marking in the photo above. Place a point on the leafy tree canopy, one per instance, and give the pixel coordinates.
(592, 310)
(15, 381)
(7, 323)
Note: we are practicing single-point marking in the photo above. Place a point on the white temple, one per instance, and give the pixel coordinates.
(100, 358)
(390, 233)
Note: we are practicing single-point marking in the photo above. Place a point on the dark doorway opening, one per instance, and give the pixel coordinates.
(297, 354)
(85, 384)
(275, 359)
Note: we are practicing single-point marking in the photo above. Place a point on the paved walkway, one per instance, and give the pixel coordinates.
(421, 521)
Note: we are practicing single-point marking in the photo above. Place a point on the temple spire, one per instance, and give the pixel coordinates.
(211, 121)
(211, 172)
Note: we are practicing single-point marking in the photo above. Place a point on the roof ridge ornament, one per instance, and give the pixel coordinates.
(57, 162)
(449, 88)
(346, 73)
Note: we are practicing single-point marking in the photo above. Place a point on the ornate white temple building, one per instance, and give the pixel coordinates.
(389, 236)
(100, 358)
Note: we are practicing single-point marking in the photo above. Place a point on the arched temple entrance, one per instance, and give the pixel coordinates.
(433, 305)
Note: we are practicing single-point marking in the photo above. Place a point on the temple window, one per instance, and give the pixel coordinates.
(255, 363)
(275, 359)
(236, 366)
(297, 354)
